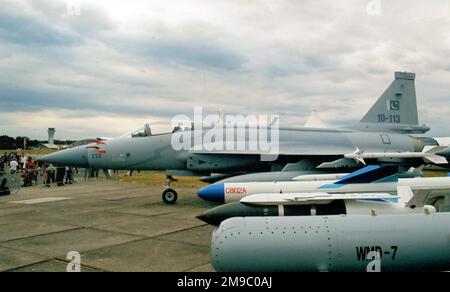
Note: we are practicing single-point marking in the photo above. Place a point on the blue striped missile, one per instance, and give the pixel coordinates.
(371, 179)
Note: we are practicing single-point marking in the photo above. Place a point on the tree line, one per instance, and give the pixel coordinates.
(10, 143)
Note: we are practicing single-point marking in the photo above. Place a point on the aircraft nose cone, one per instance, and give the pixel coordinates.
(213, 193)
(76, 157)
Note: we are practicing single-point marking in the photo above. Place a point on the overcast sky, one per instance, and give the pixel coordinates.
(121, 63)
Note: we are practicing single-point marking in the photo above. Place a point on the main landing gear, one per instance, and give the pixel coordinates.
(169, 195)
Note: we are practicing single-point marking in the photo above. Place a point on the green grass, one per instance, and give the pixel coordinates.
(158, 178)
(30, 151)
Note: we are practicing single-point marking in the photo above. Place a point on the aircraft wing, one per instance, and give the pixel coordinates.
(204, 159)
(311, 198)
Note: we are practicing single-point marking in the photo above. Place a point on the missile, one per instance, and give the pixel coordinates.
(287, 175)
(303, 175)
(430, 154)
(367, 180)
(356, 243)
(319, 177)
(319, 204)
(233, 192)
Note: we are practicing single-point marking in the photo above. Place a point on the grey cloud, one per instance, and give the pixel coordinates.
(91, 21)
(13, 99)
(195, 53)
(288, 57)
(26, 29)
(46, 23)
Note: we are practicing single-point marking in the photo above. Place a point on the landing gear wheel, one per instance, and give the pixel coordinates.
(169, 196)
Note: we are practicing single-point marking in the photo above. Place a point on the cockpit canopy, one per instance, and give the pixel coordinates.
(146, 131)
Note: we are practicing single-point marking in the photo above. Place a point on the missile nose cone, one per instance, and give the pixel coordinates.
(76, 157)
(207, 219)
(220, 213)
(215, 216)
(213, 193)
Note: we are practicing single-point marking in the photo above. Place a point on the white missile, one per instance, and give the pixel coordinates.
(428, 155)
(317, 177)
(311, 198)
(428, 188)
(405, 197)
(312, 204)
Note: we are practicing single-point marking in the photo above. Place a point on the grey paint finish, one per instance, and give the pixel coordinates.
(155, 152)
(397, 104)
(333, 243)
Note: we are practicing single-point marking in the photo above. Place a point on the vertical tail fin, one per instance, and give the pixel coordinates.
(398, 104)
(396, 109)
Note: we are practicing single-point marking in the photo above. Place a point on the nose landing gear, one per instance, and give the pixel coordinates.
(169, 196)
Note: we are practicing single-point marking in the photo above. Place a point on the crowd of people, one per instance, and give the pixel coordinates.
(31, 171)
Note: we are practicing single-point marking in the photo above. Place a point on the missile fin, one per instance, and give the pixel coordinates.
(435, 159)
(339, 163)
(411, 199)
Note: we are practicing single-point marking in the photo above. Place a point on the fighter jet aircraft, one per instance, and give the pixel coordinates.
(387, 127)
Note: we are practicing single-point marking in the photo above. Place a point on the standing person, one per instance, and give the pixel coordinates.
(13, 166)
(107, 173)
(30, 168)
(73, 171)
(36, 172)
(50, 175)
(76, 172)
(19, 163)
(60, 174)
(69, 175)
(23, 162)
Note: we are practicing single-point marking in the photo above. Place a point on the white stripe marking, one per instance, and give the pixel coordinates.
(40, 200)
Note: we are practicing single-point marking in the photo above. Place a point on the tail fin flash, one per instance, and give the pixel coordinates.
(398, 104)
(396, 109)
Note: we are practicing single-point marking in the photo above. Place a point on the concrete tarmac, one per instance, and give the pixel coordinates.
(115, 226)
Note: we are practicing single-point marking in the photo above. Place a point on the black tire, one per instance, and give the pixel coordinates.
(169, 196)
